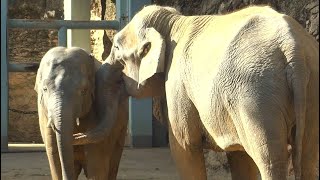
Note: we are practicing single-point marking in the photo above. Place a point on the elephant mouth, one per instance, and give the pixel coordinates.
(153, 86)
(85, 115)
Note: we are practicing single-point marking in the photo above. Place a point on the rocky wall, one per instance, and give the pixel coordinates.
(27, 45)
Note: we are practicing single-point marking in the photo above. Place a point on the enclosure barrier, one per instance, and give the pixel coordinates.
(140, 130)
(62, 26)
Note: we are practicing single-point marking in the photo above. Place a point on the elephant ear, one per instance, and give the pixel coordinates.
(152, 54)
(95, 65)
(38, 78)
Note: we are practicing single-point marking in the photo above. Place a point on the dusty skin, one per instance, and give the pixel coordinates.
(136, 164)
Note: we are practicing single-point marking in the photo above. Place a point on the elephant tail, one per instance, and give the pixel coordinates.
(298, 78)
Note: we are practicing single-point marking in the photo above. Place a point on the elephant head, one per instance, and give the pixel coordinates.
(137, 62)
(65, 86)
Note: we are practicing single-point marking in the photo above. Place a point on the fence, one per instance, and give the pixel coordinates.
(61, 26)
(140, 111)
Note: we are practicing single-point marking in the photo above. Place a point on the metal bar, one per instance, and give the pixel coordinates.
(62, 37)
(57, 24)
(122, 12)
(62, 25)
(135, 6)
(23, 67)
(140, 110)
(4, 77)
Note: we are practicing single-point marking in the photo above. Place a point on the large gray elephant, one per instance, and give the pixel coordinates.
(245, 83)
(65, 84)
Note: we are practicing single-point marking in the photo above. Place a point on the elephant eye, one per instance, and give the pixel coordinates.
(145, 49)
(122, 62)
(45, 89)
(116, 47)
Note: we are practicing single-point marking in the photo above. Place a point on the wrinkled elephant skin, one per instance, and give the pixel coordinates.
(65, 84)
(246, 83)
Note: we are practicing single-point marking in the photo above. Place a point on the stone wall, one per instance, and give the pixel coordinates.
(101, 39)
(27, 45)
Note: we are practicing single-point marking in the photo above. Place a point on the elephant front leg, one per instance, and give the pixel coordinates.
(242, 166)
(185, 138)
(49, 139)
(77, 169)
(116, 154)
(53, 154)
(97, 160)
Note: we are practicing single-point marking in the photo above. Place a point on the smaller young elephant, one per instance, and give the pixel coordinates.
(65, 84)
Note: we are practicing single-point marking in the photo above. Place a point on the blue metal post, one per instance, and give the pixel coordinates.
(140, 122)
(140, 110)
(136, 5)
(122, 12)
(4, 77)
(62, 36)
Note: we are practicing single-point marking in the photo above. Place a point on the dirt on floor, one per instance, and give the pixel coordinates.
(136, 164)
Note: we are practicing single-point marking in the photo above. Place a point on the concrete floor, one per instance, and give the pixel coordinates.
(29, 162)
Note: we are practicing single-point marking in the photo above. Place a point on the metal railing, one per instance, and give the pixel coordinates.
(125, 9)
(61, 26)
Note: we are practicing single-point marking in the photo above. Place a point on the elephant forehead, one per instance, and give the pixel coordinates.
(83, 69)
(127, 38)
(59, 77)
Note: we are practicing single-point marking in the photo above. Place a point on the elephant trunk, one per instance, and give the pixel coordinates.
(108, 89)
(62, 123)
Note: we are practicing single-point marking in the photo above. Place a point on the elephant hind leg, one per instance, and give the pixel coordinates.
(242, 166)
(270, 156)
(263, 132)
(273, 165)
(310, 151)
(310, 163)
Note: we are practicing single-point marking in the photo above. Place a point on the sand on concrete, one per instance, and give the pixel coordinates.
(136, 164)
